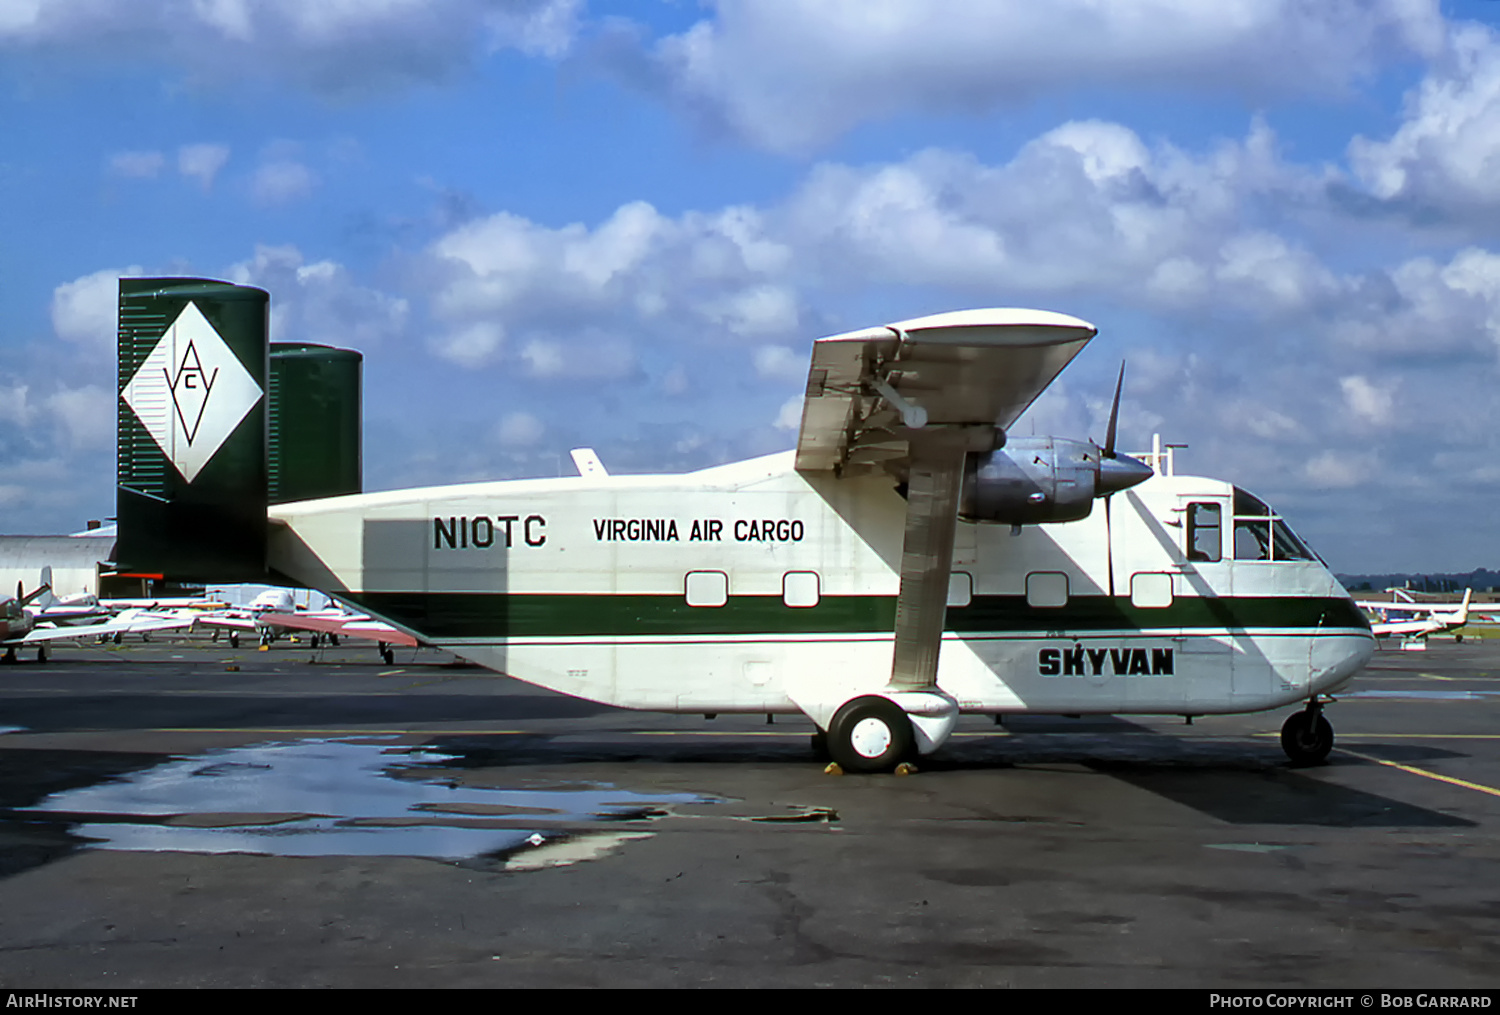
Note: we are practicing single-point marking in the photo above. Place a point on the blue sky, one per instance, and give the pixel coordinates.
(553, 223)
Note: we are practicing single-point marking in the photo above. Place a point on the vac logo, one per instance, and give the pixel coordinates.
(191, 392)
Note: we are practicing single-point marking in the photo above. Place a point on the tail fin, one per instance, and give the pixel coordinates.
(192, 488)
(1463, 609)
(46, 597)
(215, 423)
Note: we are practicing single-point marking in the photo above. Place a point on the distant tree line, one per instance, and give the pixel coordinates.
(1480, 580)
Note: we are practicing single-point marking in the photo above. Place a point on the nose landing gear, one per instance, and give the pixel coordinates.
(1307, 737)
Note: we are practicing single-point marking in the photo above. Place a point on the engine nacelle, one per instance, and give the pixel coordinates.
(1034, 480)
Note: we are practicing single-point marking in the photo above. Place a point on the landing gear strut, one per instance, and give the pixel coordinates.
(1307, 737)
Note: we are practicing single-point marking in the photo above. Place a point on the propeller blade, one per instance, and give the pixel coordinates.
(1114, 415)
(1109, 545)
(26, 600)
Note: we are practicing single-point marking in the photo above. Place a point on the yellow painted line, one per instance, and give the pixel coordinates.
(1434, 676)
(1418, 736)
(695, 733)
(1412, 769)
(301, 732)
(1403, 736)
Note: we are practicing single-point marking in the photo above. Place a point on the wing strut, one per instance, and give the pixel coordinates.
(933, 486)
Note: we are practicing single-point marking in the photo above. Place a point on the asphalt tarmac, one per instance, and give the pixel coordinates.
(181, 814)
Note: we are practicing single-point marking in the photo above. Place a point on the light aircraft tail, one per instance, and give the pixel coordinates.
(45, 597)
(216, 423)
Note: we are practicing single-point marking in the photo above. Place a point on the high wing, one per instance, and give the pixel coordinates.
(969, 368)
(914, 398)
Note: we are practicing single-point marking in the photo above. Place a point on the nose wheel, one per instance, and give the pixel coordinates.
(1306, 736)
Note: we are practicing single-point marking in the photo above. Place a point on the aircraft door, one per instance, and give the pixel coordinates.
(1208, 651)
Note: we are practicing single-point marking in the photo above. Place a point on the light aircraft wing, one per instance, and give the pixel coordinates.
(233, 622)
(349, 626)
(914, 398)
(129, 622)
(1383, 628)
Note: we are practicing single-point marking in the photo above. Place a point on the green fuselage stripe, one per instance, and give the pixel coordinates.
(440, 615)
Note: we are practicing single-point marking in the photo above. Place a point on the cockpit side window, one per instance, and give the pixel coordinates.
(1260, 534)
(1204, 538)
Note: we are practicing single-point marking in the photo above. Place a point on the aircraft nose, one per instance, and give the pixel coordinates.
(1120, 473)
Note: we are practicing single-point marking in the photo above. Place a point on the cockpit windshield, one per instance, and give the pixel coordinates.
(1261, 534)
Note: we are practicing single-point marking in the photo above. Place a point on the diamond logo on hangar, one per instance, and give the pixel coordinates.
(191, 392)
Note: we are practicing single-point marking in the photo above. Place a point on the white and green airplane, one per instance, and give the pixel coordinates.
(907, 563)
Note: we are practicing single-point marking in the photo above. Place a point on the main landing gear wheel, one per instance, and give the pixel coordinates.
(870, 734)
(1307, 737)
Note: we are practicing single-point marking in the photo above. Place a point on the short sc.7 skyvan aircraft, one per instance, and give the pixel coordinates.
(908, 562)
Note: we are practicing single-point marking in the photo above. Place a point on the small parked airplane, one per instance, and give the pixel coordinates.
(1420, 619)
(275, 612)
(25, 626)
(910, 561)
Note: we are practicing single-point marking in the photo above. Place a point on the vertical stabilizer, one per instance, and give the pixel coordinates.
(192, 485)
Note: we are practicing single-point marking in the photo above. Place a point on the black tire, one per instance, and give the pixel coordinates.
(870, 734)
(234, 640)
(1306, 741)
(388, 656)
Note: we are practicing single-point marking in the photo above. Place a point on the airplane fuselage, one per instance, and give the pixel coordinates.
(736, 589)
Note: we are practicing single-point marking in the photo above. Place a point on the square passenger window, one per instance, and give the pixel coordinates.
(1047, 589)
(707, 588)
(800, 589)
(960, 589)
(1151, 589)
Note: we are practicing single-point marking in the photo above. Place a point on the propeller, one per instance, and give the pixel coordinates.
(1107, 453)
(1114, 415)
(26, 598)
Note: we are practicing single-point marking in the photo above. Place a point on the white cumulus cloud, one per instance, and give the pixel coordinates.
(202, 162)
(84, 310)
(334, 47)
(140, 165)
(1446, 153)
(791, 75)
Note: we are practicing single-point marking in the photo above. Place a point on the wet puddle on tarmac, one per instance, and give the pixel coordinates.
(339, 798)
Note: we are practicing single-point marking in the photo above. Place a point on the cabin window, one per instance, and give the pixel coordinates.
(1204, 537)
(1260, 534)
(1047, 589)
(800, 589)
(960, 589)
(1151, 590)
(707, 588)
